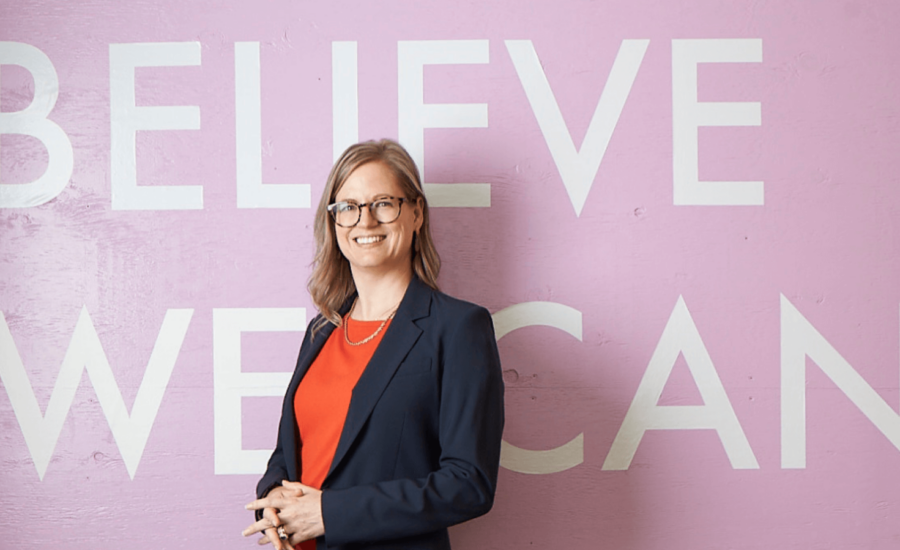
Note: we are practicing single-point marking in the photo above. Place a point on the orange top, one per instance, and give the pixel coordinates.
(323, 397)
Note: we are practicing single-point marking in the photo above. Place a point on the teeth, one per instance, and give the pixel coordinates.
(369, 240)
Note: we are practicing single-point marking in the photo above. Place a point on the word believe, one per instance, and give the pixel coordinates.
(577, 166)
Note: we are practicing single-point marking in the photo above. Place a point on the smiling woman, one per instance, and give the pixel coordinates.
(391, 426)
(376, 244)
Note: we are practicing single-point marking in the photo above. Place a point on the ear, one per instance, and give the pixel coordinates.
(418, 215)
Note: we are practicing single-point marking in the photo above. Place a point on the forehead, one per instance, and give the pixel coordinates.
(369, 181)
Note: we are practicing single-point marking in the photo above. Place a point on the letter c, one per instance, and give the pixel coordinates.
(567, 319)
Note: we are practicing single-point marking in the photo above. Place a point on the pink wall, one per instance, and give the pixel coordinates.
(129, 270)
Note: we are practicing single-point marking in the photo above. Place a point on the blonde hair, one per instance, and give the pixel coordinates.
(331, 282)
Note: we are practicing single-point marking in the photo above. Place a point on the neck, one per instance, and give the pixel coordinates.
(379, 295)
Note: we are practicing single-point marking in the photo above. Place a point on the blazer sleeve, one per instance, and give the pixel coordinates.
(471, 426)
(276, 471)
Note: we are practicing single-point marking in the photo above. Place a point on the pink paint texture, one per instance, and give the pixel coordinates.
(826, 239)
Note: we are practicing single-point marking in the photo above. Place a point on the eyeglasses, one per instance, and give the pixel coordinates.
(384, 210)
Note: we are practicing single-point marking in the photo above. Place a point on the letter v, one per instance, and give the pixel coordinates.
(86, 352)
(577, 167)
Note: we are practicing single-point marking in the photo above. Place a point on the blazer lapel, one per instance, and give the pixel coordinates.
(396, 343)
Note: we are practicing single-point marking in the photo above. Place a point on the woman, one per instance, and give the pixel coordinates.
(390, 430)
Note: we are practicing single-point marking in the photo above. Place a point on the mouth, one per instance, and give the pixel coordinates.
(369, 239)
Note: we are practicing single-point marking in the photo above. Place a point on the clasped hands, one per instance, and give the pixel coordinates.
(294, 507)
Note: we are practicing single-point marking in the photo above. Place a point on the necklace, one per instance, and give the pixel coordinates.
(368, 338)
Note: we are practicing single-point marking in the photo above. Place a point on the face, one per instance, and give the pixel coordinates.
(378, 248)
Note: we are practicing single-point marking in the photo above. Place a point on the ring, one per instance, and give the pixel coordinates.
(281, 534)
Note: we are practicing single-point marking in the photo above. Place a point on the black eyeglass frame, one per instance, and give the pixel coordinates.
(359, 206)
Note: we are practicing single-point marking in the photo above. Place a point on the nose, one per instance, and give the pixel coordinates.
(366, 219)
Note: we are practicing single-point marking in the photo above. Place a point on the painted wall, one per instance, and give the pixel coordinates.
(682, 215)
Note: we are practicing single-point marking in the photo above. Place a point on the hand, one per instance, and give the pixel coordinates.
(270, 521)
(299, 509)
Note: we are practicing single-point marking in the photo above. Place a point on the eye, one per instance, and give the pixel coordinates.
(384, 203)
(344, 207)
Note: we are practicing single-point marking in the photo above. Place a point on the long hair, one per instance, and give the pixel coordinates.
(331, 282)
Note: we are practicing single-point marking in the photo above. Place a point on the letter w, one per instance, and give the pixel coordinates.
(86, 352)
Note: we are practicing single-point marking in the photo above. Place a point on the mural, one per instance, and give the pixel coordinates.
(681, 215)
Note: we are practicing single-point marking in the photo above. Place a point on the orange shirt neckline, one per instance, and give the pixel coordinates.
(323, 397)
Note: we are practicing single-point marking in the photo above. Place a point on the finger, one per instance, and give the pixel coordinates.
(271, 514)
(272, 532)
(286, 542)
(295, 486)
(277, 543)
(259, 504)
(268, 521)
(275, 502)
(255, 505)
(256, 527)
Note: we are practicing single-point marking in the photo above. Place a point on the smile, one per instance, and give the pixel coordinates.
(369, 239)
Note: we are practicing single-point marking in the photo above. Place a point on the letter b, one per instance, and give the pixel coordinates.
(32, 121)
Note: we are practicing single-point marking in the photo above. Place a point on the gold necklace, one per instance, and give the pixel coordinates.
(368, 338)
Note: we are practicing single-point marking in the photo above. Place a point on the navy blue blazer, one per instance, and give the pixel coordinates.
(420, 448)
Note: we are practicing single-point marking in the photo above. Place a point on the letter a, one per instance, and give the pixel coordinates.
(680, 336)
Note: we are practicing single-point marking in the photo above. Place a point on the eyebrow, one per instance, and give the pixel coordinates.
(375, 198)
